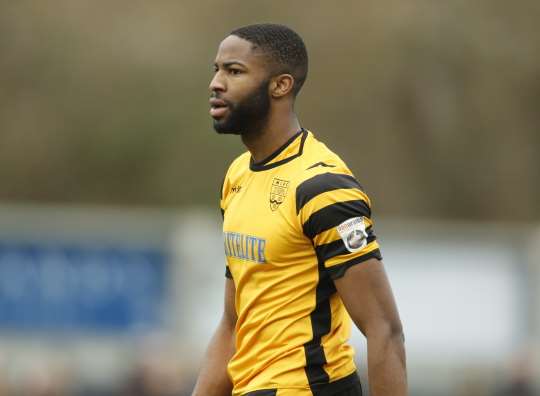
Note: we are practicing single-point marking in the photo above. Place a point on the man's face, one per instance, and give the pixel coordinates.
(239, 101)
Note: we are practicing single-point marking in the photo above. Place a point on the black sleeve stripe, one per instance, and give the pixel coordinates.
(333, 215)
(228, 272)
(337, 247)
(329, 250)
(222, 214)
(337, 271)
(319, 184)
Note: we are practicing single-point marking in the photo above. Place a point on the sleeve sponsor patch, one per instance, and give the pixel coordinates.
(353, 233)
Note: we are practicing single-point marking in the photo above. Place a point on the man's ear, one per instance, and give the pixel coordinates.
(281, 85)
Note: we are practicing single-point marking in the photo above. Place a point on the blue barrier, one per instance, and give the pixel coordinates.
(70, 287)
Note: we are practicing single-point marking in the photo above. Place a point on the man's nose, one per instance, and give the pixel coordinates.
(217, 83)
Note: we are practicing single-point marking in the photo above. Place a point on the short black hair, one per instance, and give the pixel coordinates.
(284, 47)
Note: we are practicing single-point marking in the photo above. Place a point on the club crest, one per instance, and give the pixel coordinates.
(278, 192)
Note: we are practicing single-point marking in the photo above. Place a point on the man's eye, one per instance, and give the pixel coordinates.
(235, 71)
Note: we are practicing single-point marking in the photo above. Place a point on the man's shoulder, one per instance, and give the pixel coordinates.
(319, 159)
(323, 171)
(234, 172)
(239, 164)
(326, 189)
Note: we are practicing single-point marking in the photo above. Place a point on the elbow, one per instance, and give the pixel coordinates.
(387, 330)
(397, 333)
(394, 330)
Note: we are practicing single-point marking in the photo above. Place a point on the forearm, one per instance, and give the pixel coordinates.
(213, 378)
(386, 365)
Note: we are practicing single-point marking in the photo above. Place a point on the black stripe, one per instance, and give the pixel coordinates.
(319, 184)
(350, 384)
(333, 215)
(228, 272)
(321, 318)
(260, 166)
(337, 271)
(328, 250)
(222, 213)
(262, 392)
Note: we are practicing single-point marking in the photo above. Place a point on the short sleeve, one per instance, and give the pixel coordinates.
(335, 214)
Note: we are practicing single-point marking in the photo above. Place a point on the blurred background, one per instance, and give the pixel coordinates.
(111, 262)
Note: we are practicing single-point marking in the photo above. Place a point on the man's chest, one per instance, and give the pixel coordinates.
(260, 223)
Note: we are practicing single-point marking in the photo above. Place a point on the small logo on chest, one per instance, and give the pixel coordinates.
(278, 192)
(236, 189)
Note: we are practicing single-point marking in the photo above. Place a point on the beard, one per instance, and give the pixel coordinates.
(247, 116)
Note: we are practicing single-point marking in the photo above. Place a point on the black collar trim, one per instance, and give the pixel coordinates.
(263, 165)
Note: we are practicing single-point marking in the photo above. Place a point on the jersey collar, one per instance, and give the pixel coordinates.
(290, 150)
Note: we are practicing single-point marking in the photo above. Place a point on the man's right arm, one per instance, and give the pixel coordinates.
(213, 378)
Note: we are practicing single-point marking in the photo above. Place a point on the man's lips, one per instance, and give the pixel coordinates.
(218, 107)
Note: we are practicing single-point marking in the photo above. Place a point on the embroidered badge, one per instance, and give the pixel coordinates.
(278, 192)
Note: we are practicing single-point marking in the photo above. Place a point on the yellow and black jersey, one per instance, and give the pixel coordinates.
(292, 224)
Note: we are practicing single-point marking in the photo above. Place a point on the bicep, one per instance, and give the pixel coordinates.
(367, 295)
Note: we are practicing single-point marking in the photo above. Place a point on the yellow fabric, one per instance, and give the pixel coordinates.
(276, 272)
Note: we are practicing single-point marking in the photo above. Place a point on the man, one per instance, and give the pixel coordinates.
(301, 252)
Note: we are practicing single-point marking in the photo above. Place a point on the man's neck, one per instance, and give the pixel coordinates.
(271, 136)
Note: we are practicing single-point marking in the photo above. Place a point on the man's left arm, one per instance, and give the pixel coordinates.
(366, 293)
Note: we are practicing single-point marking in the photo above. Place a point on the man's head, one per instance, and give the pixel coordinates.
(256, 66)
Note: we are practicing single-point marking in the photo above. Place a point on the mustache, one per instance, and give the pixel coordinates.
(216, 95)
